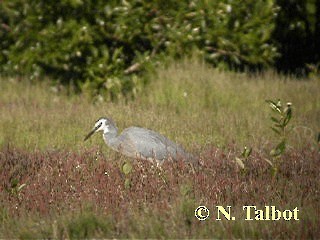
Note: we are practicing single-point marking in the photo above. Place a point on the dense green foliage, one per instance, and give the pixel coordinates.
(297, 35)
(105, 44)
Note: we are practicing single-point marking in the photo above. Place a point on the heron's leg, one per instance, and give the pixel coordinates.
(160, 172)
(139, 158)
(192, 168)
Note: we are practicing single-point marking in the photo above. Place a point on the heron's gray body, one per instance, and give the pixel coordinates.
(136, 142)
(144, 143)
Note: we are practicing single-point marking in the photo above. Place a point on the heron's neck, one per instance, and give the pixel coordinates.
(110, 134)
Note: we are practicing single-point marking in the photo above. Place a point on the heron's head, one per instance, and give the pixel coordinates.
(101, 124)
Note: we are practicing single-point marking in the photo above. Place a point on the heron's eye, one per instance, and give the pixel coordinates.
(98, 124)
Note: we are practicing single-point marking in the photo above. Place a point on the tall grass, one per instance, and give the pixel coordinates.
(55, 185)
(225, 107)
(188, 101)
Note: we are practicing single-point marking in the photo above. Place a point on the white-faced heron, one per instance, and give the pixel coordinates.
(136, 142)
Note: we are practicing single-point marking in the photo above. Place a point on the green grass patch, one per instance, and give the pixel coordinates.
(189, 102)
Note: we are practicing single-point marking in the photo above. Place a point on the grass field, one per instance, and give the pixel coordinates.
(54, 185)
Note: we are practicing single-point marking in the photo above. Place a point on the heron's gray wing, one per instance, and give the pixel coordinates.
(135, 142)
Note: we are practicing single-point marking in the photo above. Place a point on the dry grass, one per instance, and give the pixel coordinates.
(77, 190)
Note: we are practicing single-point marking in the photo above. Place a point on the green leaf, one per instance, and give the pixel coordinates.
(274, 171)
(246, 152)
(279, 149)
(277, 109)
(282, 145)
(127, 183)
(273, 106)
(288, 116)
(279, 125)
(126, 168)
(273, 153)
(279, 105)
(276, 130)
(274, 119)
(270, 102)
(14, 183)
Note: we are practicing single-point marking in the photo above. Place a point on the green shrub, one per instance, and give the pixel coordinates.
(88, 224)
(104, 46)
(297, 35)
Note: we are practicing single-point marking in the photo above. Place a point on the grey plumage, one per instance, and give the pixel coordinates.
(136, 142)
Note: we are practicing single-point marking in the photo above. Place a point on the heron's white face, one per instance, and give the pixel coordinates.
(101, 125)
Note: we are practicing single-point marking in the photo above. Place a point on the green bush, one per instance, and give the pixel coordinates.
(103, 46)
(297, 35)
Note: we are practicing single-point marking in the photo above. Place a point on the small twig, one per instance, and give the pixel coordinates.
(133, 68)
(137, 66)
(225, 52)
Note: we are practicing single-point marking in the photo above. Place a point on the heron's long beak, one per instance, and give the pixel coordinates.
(91, 132)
